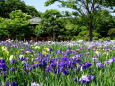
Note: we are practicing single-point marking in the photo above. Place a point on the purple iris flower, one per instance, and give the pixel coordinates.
(50, 49)
(26, 64)
(11, 83)
(67, 52)
(86, 65)
(2, 61)
(75, 79)
(87, 53)
(113, 59)
(66, 71)
(100, 65)
(13, 61)
(41, 55)
(86, 79)
(109, 61)
(78, 60)
(59, 69)
(35, 65)
(58, 52)
(14, 83)
(28, 49)
(61, 63)
(30, 68)
(27, 68)
(54, 60)
(23, 58)
(65, 58)
(13, 69)
(54, 64)
(47, 55)
(36, 59)
(80, 55)
(49, 68)
(95, 59)
(91, 77)
(7, 83)
(77, 70)
(42, 64)
(23, 51)
(35, 84)
(4, 72)
(3, 67)
(74, 57)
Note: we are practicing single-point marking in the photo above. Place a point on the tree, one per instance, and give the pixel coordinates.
(19, 23)
(50, 24)
(30, 10)
(103, 22)
(3, 27)
(8, 6)
(72, 28)
(86, 8)
(16, 26)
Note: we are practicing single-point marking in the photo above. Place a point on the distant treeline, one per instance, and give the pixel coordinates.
(54, 25)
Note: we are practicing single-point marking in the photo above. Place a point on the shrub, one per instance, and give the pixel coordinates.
(111, 33)
(85, 35)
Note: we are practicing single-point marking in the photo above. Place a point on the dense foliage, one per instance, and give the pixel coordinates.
(7, 6)
(15, 24)
(87, 9)
(51, 24)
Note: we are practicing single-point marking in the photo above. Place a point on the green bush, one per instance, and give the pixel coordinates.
(111, 33)
(17, 26)
(84, 35)
(105, 38)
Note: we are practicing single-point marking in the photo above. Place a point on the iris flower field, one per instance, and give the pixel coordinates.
(75, 63)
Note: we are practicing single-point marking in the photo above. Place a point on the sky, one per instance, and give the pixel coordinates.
(39, 5)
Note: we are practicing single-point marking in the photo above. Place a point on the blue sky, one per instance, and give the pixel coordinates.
(39, 5)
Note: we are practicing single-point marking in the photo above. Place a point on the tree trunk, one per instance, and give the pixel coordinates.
(53, 36)
(90, 32)
(90, 25)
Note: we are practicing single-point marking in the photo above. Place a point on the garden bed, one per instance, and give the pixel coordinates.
(67, 63)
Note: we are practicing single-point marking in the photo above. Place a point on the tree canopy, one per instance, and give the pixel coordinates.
(50, 23)
(8, 6)
(86, 8)
(89, 20)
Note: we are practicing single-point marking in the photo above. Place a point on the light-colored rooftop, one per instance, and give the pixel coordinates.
(35, 20)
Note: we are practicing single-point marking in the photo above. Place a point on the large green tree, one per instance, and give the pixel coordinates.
(8, 6)
(103, 22)
(86, 8)
(16, 26)
(50, 24)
